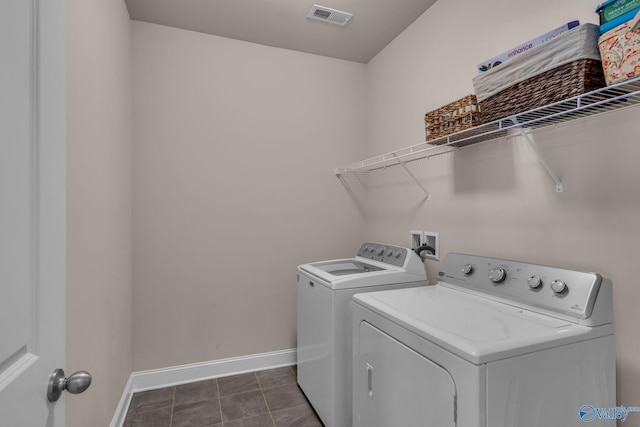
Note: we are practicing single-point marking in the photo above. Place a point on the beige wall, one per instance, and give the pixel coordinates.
(234, 145)
(99, 206)
(495, 199)
(233, 149)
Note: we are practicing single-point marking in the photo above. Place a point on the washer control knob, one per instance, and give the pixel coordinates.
(497, 274)
(558, 286)
(381, 250)
(534, 282)
(398, 253)
(467, 269)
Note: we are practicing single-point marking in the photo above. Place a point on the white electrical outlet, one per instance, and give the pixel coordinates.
(432, 239)
(417, 239)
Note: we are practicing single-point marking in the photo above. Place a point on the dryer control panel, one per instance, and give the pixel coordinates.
(568, 294)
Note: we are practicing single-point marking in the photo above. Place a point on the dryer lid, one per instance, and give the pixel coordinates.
(477, 329)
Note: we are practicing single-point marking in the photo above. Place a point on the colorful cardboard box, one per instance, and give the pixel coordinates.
(616, 12)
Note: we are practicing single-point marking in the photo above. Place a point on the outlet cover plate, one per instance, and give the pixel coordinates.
(417, 239)
(432, 239)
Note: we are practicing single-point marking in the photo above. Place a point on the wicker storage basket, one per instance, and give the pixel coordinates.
(566, 81)
(566, 66)
(454, 117)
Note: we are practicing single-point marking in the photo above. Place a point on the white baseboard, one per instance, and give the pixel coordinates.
(166, 377)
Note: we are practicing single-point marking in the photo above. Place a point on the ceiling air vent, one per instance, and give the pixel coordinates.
(327, 14)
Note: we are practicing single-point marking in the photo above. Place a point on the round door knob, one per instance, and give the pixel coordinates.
(534, 282)
(497, 274)
(558, 286)
(74, 384)
(467, 269)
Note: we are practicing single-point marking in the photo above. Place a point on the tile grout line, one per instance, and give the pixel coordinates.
(173, 401)
(265, 400)
(219, 402)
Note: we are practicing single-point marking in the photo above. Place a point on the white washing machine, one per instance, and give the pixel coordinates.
(495, 343)
(324, 322)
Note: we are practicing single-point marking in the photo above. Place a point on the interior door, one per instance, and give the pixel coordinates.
(32, 209)
(396, 386)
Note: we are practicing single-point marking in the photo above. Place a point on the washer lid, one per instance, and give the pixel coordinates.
(477, 329)
(343, 267)
(358, 272)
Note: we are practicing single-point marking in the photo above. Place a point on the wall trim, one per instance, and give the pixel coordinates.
(174, 375)
(123, 405)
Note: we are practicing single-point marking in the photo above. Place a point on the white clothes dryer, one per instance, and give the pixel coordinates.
(494, 343)
(324, 291)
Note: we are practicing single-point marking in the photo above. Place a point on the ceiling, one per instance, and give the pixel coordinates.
(284, 23)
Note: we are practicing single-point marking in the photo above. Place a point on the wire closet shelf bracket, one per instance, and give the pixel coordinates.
(610, 98)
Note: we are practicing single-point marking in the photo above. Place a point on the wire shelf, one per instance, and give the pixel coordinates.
(610, 98)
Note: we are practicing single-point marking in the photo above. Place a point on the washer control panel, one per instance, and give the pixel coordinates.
(394, 255)
(571, 293)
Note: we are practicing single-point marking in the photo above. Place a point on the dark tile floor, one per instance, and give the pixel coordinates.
(257, 399)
